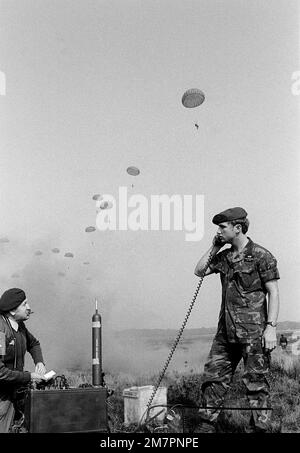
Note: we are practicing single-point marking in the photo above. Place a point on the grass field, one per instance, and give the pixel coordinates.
(184, 388)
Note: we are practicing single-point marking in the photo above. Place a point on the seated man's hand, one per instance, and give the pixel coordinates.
(40, 368)
(35, 377)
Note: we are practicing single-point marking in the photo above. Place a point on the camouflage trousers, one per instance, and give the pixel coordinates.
(218, 373)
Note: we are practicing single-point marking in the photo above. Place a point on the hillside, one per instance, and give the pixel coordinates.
(163, 333)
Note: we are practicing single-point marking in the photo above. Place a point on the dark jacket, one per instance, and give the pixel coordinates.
(12, 362)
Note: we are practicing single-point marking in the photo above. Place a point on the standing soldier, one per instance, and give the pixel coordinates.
(247, 324)
(283, 341)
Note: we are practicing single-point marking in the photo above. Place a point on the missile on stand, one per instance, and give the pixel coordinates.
(97, 375)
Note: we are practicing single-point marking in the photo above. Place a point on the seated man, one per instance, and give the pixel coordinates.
(15, 340)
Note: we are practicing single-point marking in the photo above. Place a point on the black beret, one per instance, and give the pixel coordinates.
(229, 214)
(11, 299)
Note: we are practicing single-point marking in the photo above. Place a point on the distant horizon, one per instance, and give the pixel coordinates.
(193, 328)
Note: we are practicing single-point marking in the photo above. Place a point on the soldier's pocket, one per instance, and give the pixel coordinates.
(248, 278)
(248, 330)
(248, 325)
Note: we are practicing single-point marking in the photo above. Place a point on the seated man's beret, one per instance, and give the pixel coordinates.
(11, 299)
(229, 214)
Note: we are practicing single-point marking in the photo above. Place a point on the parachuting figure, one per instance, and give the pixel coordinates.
(97, 197)
(90, 229)
(133, 171)
(106, 205)
(69, 255)
(193, 98)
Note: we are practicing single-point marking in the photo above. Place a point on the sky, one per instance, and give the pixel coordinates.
(93, 87)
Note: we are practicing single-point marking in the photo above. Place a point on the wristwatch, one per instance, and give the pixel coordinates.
(271, 323)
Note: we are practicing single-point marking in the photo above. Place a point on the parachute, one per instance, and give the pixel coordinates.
(69, 255)
(97, 197)
(86, 262)
(193, 98)
(61, 274)
(4, 240)
(90, 229)
(106, 205)
(133, 171)
(15, 275)
(55, 250)
(38, 253)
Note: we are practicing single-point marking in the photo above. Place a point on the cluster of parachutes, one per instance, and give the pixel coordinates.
(191, 98)
(55, 250)
(5, 240)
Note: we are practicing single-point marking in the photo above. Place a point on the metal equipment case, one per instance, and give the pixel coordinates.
(63, 411)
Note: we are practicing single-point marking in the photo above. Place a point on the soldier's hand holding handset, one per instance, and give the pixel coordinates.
(217, 244)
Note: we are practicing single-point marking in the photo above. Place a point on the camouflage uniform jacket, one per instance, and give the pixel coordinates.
(243, 311)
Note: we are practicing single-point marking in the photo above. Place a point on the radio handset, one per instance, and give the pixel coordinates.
(218, 241)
